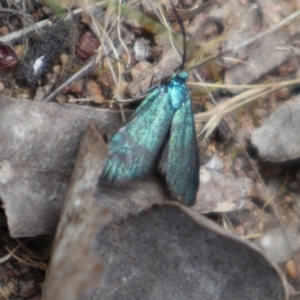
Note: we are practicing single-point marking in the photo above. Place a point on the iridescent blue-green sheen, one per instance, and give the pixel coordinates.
(162, 124)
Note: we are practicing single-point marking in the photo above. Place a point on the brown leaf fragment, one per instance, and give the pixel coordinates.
(38, 147)
(169, 252)
(70, 275)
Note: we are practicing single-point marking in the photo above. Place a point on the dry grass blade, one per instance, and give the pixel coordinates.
(19, 34)
(22, 253)
(212, 123)
(198, 55)
(78, 75)
(215, 115)
(119, 21)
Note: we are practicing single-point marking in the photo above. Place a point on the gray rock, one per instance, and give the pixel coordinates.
(278, 138)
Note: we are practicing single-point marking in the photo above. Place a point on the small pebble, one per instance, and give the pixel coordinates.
(24, 93)
(276, 245)
(198, 126)
(85, 18)
(261, 226)
(214, 163)
(141, 49)
(240, 230)
(294, 185)
(289, 67)
(291, 269)
(238, 165)
(24, 269)
(210, 151)
(136, 70)
(87, 45)
(260, 112)
(288, 199)
(61, 99)
(208, 105)
(259, 192)
(39, 94)
(4, 30)
(27, 289)
(5, 291)
(64, 59)
(227, 162)
(202, 144)
(282, 93)
(19, 50)
(94, 92)
(251, 174)
(77, 86)
(56, 69)
(241, 173)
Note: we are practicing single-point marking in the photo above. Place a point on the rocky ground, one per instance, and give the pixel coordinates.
(242, 58)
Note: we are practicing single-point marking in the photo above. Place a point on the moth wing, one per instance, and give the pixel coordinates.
(180, 159)
(135, 147)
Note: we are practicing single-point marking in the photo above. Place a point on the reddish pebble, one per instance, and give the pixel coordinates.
(206, 73)
(282, 93)
(289, 67)
(76, 86)
(8, 56)
(87, 45)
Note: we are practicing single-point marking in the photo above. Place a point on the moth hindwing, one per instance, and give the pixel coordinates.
(164, 122)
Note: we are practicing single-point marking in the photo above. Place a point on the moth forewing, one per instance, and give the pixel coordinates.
(180, 159)
(134, 149)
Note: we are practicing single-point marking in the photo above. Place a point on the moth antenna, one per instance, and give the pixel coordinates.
(183, 33)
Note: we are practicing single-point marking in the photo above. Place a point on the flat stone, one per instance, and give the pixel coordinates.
(278, 138)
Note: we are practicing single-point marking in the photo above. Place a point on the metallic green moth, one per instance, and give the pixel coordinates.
(162, 131)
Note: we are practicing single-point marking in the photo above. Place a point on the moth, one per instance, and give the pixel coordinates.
(161, 131)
